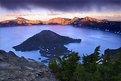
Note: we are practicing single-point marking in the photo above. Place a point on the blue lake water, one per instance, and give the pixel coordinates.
(11, 36)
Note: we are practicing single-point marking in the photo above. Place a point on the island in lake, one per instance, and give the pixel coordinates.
(48, 43)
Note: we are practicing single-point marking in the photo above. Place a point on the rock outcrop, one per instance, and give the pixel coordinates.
(14, 68)
(47, 42)
(113, 54)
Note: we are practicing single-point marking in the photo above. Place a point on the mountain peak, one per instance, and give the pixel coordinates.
(74, 20)
(91, 19)
(20, 18)
(48, 33)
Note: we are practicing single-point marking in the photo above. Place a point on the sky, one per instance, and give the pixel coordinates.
(47, 9)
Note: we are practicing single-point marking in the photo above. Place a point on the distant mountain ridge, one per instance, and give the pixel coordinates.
(88, 22)
(58, 20)
(19, 21)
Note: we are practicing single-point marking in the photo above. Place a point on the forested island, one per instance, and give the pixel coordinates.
(48, 43)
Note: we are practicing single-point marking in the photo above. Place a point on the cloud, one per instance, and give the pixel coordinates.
(62, 5)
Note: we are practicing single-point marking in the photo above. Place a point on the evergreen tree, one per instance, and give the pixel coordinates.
(94, 67)
(65, 67)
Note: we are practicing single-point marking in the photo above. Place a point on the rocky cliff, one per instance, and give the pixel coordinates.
(93, 23)
(14, 68)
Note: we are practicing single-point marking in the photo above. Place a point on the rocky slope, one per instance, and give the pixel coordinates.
(14, 68)
(47, 42)
(93, 23)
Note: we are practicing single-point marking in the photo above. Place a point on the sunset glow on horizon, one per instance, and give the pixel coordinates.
(100, 11)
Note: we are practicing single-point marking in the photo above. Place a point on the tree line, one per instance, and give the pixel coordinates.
(93, 67)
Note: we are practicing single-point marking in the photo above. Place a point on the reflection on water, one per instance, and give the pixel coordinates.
(13, 36)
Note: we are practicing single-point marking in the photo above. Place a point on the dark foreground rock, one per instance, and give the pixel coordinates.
(14, 68)
(113, 54)
(47, 42)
